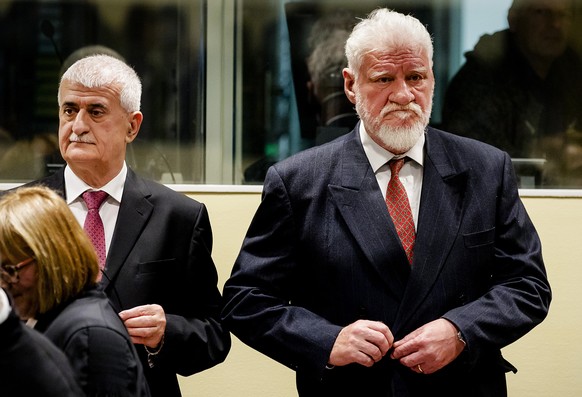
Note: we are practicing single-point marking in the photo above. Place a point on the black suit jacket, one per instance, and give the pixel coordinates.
(31, 365)
(322, 252)
(161, 253)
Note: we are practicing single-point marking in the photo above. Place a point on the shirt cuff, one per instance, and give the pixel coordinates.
(4, 306)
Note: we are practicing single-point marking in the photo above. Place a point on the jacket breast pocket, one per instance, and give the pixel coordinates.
(154, 267)
(479, 239)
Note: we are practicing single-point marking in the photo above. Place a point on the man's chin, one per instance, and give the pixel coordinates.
(397, 150)
(401, 123)
(78, 156)
(400, 140)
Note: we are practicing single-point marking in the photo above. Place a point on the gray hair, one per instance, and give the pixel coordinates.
(101, 70)
(385, 29)
(328, 58)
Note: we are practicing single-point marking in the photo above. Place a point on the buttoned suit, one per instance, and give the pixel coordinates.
(322, 252)
(161, 254)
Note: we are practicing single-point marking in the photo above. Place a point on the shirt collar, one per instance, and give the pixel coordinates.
(75, 186)
(378, 156)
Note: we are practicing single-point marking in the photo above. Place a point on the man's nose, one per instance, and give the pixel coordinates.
(401, 93)
(80, 124)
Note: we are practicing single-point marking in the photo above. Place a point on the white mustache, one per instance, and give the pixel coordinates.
(80, 138)
(415, 108)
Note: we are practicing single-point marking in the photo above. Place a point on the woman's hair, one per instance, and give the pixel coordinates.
(102, 70)
(383, 30)
(36, 222)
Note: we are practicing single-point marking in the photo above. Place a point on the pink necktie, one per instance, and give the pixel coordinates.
(93, 223)
(399, 208)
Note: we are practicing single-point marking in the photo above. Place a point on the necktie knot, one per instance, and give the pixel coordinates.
(94, 199)
(395, 166)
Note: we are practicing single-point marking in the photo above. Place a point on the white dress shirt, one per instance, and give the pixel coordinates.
(74, 189)
(410, 174)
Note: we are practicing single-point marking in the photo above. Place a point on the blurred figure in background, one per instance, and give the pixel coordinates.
(520, 90)
(335, 113)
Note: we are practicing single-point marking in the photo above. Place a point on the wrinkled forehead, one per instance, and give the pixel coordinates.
(400, 54)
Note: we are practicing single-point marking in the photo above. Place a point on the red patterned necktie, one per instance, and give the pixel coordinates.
(93, 223)
(399, 208)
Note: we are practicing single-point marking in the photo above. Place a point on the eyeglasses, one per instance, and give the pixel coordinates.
(10, 273)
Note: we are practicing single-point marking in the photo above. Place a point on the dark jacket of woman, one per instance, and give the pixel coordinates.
(97, 344)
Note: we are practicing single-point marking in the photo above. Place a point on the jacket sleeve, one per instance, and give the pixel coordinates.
(195, 337)
(90, 351)
(259, 296)
(519, 294)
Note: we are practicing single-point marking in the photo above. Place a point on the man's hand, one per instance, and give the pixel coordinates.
(429, 348)
(363, 342)
(145, 324)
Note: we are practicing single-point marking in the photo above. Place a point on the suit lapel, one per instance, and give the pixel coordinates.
(135, 206)
(134, 212)
(439, 220)
(359, 201)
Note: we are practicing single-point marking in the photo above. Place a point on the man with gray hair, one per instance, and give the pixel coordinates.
(396, 260)
(156, 243)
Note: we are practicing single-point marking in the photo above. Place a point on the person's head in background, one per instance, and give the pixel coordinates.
(325, 65)
(390, 79)
(85, 51)
(542, 29)
(99, 114)
(327, 58)
(46, 257)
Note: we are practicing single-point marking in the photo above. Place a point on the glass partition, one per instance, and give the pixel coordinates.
(163, 40)
(293, 95)
(232, 86)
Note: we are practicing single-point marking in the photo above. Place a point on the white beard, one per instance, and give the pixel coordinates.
(396, 140)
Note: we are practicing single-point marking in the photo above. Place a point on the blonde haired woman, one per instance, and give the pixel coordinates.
(49, 267)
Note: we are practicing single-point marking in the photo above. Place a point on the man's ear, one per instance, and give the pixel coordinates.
(135, 120)
(349, 81)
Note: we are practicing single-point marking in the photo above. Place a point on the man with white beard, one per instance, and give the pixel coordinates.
(398, 259)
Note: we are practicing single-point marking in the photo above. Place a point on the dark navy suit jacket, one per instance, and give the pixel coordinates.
(161, 253)
(322, 252)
